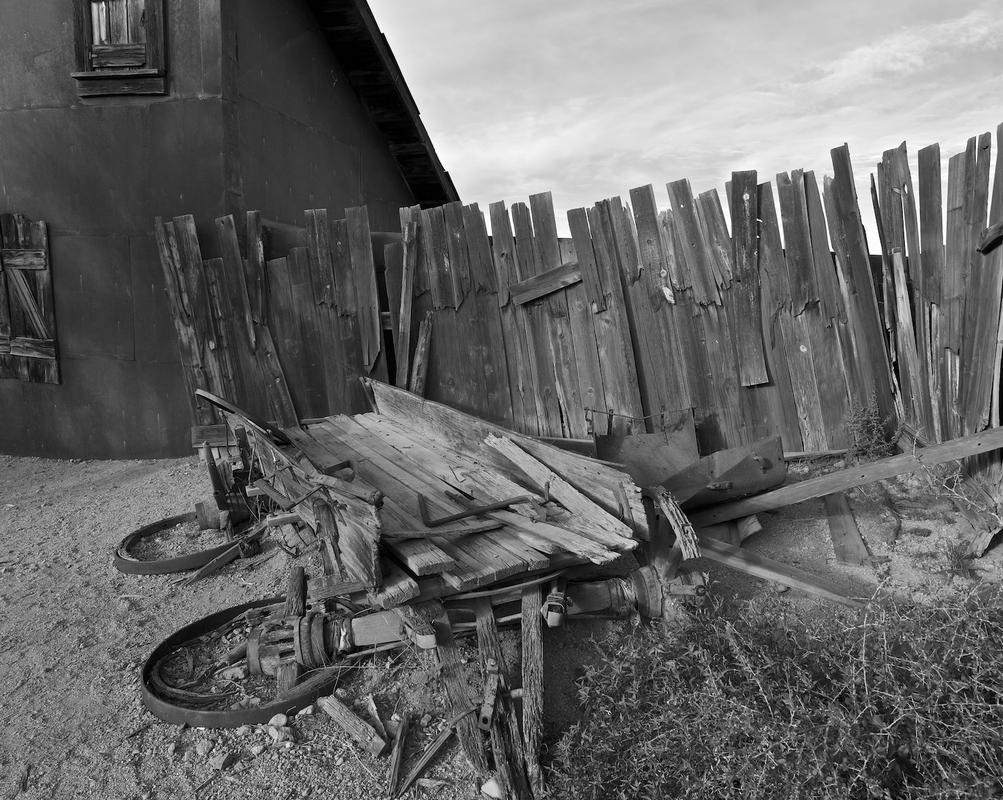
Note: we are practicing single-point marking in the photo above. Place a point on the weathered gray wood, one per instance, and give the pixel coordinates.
(744, 309)
(352, 724)
(412, 251)
(564, 345)
(532, 686)
(419, 366)
(846, 539)
(506, 741)
(458, 696)
(850, 243)
(520, 355)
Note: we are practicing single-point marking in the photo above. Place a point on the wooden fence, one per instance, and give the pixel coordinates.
(721, 323)
(648, 320)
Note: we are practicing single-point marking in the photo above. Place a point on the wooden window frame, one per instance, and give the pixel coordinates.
(125, 68)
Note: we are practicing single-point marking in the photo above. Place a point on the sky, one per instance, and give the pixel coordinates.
(591, 98)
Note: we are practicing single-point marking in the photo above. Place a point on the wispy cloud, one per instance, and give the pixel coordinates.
(589, 98)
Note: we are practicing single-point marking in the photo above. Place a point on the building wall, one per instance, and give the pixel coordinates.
(259, 116)
(98, 171)
(305, 141)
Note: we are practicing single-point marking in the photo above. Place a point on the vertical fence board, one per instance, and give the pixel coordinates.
(744, 309)
(520, 357)
(557, 309)
(850, 243)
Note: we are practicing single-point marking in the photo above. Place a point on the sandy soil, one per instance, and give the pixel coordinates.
(75, 631)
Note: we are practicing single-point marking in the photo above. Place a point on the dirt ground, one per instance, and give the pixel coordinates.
(75, 632)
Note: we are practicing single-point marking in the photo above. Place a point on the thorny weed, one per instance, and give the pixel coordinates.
(762, 702)
(868, 433)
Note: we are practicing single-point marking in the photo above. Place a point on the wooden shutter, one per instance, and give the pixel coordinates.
(27, 315)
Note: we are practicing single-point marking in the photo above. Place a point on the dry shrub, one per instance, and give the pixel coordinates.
(903, 702)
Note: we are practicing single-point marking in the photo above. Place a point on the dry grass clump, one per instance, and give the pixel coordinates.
(763, 702)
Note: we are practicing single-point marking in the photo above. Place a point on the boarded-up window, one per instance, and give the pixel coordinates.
(27, 315)
(119, 47)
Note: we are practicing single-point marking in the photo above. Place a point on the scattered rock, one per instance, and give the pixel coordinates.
(171, 749)
(234, 673)
(305, 711)
(243, 730)
(203, 747)
(281, 734)
(278, 721)
(426, 720)
(221, 761)
(490, 788)
(341, 693)
(257, 749)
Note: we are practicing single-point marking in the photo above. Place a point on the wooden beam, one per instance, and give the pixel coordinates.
(768, 569)
(859, 475)
(846, 539)
(553, 280)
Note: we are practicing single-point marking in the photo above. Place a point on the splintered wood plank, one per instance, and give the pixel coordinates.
(315, 293)
(797, 240)
(985, 442)
(615, 356)
(520, 357)
(367, 307)
(310, 384)
(411, 253)
(774, 300)
(710, 215)
(346, 298)
(960, 178)
(846, 539)
(488, 353)
(543, 324)
(900, 176)
(793, 328)
(662, 332)
(396, 588)
(564, 344)
(725, 412)
(456, 248)
(743, 308)
(506, 741)
(283, 322)
(931, 222)
(419, 368)
(982, 313)
(532, 685)
(994, 262)
(280, 404)
(908, 355)
(458, 693)
(830, 297)
(695, 251)
(191, 360)
(850, 243)
(198, 300)
(611, 488)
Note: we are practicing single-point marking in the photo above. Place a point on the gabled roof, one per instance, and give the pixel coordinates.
(365, 55)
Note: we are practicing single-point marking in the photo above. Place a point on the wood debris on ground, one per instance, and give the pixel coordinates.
(433, 524)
